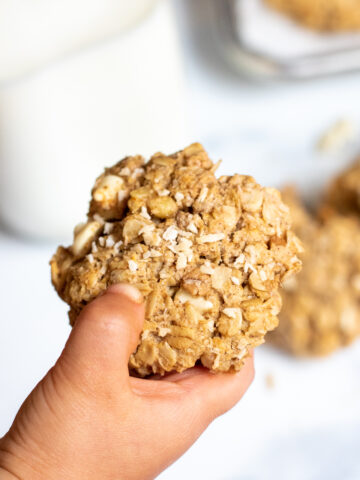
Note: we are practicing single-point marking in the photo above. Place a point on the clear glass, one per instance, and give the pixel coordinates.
(266, 44)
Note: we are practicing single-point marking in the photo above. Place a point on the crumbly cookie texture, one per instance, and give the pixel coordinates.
(344, 191)
(324, 15)
(321, 306)
(207, 254)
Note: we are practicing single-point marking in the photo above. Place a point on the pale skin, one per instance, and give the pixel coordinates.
(88, 418)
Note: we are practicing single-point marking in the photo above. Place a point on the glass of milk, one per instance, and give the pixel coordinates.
(82, 84)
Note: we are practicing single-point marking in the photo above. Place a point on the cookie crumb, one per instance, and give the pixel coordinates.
(270, 381)
(337, 136)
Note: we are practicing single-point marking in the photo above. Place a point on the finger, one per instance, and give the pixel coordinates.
(189, 401)
(190, 372)
(213, 394)
(105, 334)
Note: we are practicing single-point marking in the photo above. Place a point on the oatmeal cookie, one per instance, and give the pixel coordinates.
(207, 254)
(323, 15)
(321, 306)
(344, 191)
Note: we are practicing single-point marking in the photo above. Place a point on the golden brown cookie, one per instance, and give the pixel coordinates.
(324, 15)
(208, 255)
(321, 305)
(343, 193)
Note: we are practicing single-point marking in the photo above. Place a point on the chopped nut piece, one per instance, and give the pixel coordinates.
(203, 194)
(164, 331)
(109, 242)
(163, 207)
(108, 227)
(232, 312)
(102, 241)
(206, 269)
(192, 228)
(125, 171)
(197, 302)
(134, 226)
(84, 236)
(179, 196)
(118, 245)
(107, 188)
(155, 253)
(239, 260)
(262, 275)
(137, 172)
(146, 229)
(221, 277)
(211, 237)
(171, 233)
(249, 267)
(133, 266)
(144, 213)
(181, 261)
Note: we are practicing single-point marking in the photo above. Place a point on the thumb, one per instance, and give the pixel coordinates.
(104, 336)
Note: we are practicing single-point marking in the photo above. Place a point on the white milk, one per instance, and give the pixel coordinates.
(84, 108)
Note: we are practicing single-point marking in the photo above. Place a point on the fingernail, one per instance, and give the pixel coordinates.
(132, 293)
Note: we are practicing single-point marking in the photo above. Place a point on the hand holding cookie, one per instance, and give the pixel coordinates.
(80, 422)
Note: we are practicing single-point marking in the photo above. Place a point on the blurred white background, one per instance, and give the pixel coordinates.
(307, 425)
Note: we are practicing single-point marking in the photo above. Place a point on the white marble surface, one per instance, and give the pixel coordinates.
(308, 426)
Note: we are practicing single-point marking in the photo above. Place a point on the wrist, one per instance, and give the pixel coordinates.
(12, 464)
(6, 475)
(7, 469)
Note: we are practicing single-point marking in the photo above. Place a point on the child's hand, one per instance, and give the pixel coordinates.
(88, 419)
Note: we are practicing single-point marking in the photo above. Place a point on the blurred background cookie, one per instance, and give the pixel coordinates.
(328, 15)
(321, 306)
(344, 191)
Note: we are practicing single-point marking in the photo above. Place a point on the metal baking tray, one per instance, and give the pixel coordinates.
(266, 44)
